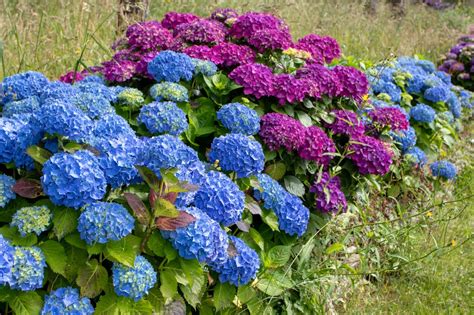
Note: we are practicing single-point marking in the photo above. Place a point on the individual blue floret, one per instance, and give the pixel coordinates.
(238, 118)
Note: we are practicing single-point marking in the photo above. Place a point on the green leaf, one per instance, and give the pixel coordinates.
(194, 293)
(191, 268)
(75, 240)
(257, 238)
(38, 154)
(170, 252)
(224, 295)
(125, 250)
(164, 208)
(156, 243)
(294, 185)
(55, 256)
(113, 304)
(304, 118)
(274, 283)
(277, 256)
(276, 170)
(92, 279)
(156, 300)
(95, 249)
(334, 248)
(245, 293)
(26, 303)
(149, 177)
(15, 237)
(169, 285)
(76, 259)
(270, 218)
(64, 221)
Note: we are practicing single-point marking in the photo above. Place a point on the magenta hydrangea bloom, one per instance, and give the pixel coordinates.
(173, 19)
(347, 123)
(149, 35)
(370, 155)
(391, 117)
(328, 194)
(354, 82)
(141, 67)
(118, 70)
(256, 79)
(270, 39)
(316, 146)
(247, 24)
(281, 131)
(287, 88)
(229, 55)
(201, 32)
(71, 77)
(321, 48)
(327, 81)
(223, 14)
(199, 51)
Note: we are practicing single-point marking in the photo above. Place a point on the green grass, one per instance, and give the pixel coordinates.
(49, 36)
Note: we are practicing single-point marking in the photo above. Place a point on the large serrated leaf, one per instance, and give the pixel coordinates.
(169, 285)
(276, 170)
(194, 293)
(171, 224)
(294, 185)
(277, 256)
(64, 221)
(224, 294)
(125, 250)
(38, 154)
(28, 188)
(15, 237)
(164, 208)
(26, 303)
(55, 256)
(138, 207)
(92, 279)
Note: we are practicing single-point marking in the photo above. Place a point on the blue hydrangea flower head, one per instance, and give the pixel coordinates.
(29, 134)
(6, 192)
(96, 89)
(163, 117)
(417, 156)
(237, 153)
(240, 267)
(203, 239)
(443, 169)
(65, 119)
(405, 139)
(467, 100)
(73, 180)
(115, 92)
(422, 113)
(112, 125)
(28, 269)
(92, 105)
(134, 282)
(131, 97)
(7, 253)
(9, 130)
(205, 67)
(52, 145)
(238, 118)
(293, 216)
(165, 152)
(169, 91)
(66, 301)
(437, 94)
(426, 65)
(22, 85)
(34, 219)
(392, 90)
(195, 173)
(432, 81)
(101, 222)
(415, 84)
(118, 157)
(93, 79)
(220, 198)
(58, 91)
(445, 77)
(171, 66)
(271, 192)
(25, 107)
(454, 105)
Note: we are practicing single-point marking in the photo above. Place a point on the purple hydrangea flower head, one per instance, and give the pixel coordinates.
(134, 282)
(240, 267)
(324, 48)
(101, 222)
(288, 89)
(437, 94)
(201, 32)
(28, 269)
(66, 301)
(220, 198)
(118, 70)
(370, 155)
(280, 130)
(443, 169)
(198, 51)
(317, 146)
(256, 79)
(354, 82)
(163, 117)
(73, 180)
(326, 80)
(417, 156)
(149, 35)
(141, 66)
(390, 117)
(203, 239)
(71, 77)
(249, 23)
(92, 105)
(25, 107)
(328, 194)
(404, 138)
(238, 118)
(230, 55)
(173, 19)
(169, 91)
(171, 66)
(6, 192)
(346, 122)
(35, 219)
(22, 85)
(7, 252)
(237, 153)
(422, 113)
(270, 39)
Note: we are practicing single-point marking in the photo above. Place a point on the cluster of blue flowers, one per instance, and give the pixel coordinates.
(417, 155)
(134, 282)
(6, 192)
(22, 109)
(238, 118)
(204, 67)
(131, 97)
(27, 272)
(66, 301)
(101, 222)
(237, 153)
(171, 66)
(169, 91)
(163, 117)
(405, 138)
(443, 169)
(92, 105)
(422, 113)
(32, 220)
(21, 86)
(7, 256)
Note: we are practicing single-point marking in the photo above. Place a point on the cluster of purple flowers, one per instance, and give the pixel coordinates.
(328, 194)
(459, 62)
(370, 155)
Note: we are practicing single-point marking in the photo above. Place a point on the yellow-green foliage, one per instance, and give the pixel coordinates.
(49, 36)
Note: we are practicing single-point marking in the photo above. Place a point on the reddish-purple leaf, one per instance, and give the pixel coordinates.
(152, 196)
(28, 188)
(171, 197)
(243, 226)
(171, 224)
(138, 207)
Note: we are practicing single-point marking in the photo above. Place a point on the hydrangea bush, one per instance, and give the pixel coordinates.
(459, 62)
(181, 173)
